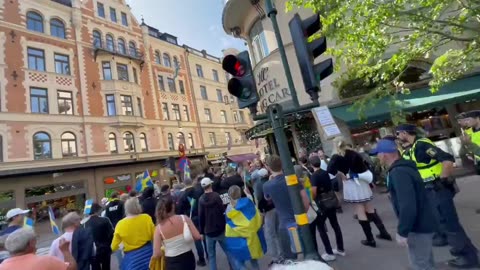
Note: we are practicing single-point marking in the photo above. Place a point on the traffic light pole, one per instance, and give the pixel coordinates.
(272, 14)
(276, 117)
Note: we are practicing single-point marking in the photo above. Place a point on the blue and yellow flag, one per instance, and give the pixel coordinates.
(144, 181)
(88, 207)
(28, 223)
(54, 226)
(244, 234)
(186, 171)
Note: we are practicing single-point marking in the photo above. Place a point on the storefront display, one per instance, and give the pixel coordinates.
(120, 183)
(7, 202)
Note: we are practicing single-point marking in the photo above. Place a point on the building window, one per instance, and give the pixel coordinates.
(132, 48)
(111, 110)
(181, 86)
(110, 43)
(34, 21)
(128, 142)
(69, 145)
(100, 10)
(190, 141)
(113, 15)
(38, 100)
(208, 115)
(228, 138)
(176, 64)
(171, 85)
(57, 28)
(166, 114)
(212, 139)
(122, 71)
(199, 71)
(166, 60)
(171, 144)
(158, 58)
(121, 46)
(225, 99)
(42, 146)
(181, 139)
(112, 142)
(219, 95)
(161, 84)
(127, 106)
(124, 19)
(143, 142)
(139, 107)
(107, 71)
(259, 42)
(176, 112)
(203, 92)
(242, 117)
(36, 59)
(223, 115)
(186, 113)
(62, 64)
(65, 102)
(215, 75)
(235, 116)
(135, 75)
(97, 39)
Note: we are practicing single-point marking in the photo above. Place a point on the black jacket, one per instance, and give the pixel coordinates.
(102, 232)
(190, 193)
(82, 248)
(115, 211)
(148, 207)
(211, 214)
(409, 198)
(233, 180)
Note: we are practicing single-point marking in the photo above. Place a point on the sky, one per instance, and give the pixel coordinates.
(196, 23)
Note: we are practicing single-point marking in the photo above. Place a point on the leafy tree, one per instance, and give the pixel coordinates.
(376, 40)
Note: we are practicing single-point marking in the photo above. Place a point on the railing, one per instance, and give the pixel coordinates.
(133, 53)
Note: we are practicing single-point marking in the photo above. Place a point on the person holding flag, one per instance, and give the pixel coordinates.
(143, 181)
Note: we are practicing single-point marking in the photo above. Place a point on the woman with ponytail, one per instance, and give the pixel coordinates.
(176, 234)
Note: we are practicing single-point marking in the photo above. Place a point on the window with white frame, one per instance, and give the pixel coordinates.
(259, 42)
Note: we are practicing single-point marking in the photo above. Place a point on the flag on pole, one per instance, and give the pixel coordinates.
(54, 226)
(88, 207)
(144, 181)
(186, 171)
(28, 223)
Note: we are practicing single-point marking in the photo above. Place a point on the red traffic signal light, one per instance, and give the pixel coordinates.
(233, 65)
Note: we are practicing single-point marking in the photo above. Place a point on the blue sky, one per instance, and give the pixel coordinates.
(197, 23)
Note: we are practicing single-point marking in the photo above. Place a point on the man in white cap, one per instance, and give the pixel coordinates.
(15, 218)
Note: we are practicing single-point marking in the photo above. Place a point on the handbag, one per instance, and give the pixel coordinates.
(328, 201)
(187, 234)
(311, 214)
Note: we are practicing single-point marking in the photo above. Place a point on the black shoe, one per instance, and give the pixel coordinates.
(439, 241)
(385, 236)
(201, 263)
(462, 263)
(455, 253)
(339, 210)
(369, 243)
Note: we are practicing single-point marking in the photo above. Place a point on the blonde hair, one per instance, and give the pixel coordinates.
(341, 145)
(133, 207)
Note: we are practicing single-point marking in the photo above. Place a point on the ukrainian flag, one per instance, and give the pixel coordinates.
(144, 181)
(54, 226)
(28, 223)
(244, 235)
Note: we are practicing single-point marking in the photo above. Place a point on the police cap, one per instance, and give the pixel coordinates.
(473, 114)
(406, 128)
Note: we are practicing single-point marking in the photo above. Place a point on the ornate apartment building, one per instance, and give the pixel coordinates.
(90, 98)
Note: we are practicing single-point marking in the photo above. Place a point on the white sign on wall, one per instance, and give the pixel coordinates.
(272, 85)
(327, 123)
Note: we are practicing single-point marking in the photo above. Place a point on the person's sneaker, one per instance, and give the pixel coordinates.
(339, 252)
(328, 257)
(369, 243)
(201, 263)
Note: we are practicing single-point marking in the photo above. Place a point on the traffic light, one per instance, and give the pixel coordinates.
(242, 85)
(306, 52)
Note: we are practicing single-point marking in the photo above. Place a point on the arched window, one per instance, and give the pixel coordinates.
(42, 146)
(171, 144)
(158, 57)
(181, 139)
(34, 21)
(57, 28)
(132, 49)
(97, 39)
(166, 60)
(143, 142)
(128, 142)
(112, 142)
(175, 62)
(191, 145)
(109, 42)
(69, 145)
(121, 46)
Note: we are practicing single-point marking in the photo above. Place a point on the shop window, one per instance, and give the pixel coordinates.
(36, 59)
(158, 58)
(143, 142)
(186, 113)
(97, 39)
(181, 139)
(166, 114)
(128, 142)
(110, 43)
(34, 21)
(7, 202)
(118, 183)
(166, 60)
(39, 100)
(42, 146)
(69, 145)
(191, 145)
(259, 42)
(127, 105)
(62, 64)
(121, 46)
(171, 145)
(181, 86)
(57, 28)
(65, 102)
(161, 83)
(112, 143)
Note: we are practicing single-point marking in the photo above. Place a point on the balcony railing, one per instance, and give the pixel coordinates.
(130, 53)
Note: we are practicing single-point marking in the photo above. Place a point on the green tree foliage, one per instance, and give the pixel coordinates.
(376, 40)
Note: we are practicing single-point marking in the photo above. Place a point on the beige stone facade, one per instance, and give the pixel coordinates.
(88, 93)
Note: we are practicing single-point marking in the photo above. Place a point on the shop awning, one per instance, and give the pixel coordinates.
(241, 158)
(422, 99)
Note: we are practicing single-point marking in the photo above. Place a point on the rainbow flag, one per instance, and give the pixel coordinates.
(88, 207)
(28, 223)
(144, 181)
(54, 226)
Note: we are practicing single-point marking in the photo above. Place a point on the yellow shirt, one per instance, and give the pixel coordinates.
(133, 232)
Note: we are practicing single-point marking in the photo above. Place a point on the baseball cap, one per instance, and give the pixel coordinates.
(407, 128)
(385, 146)
(15, 212)
(262, 172)
(206, 182)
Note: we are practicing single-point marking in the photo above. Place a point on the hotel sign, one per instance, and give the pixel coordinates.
(272, 85)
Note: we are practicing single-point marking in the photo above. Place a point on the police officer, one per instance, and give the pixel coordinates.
(471, 139)
(436, 167)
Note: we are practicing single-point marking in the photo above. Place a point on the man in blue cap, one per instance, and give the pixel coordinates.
(409, 200)
(435, 167)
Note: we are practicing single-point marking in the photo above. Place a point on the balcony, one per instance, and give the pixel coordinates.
(126, 121)
(241, 126)
(133, 54)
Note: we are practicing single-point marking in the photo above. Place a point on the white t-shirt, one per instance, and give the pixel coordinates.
(55, 251)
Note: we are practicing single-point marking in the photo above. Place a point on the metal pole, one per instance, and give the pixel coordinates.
(272, 14)
(275, 115)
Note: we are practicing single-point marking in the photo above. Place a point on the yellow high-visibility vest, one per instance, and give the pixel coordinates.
(431, 171)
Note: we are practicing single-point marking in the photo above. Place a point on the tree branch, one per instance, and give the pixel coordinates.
(441, 21)
(431, 31)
